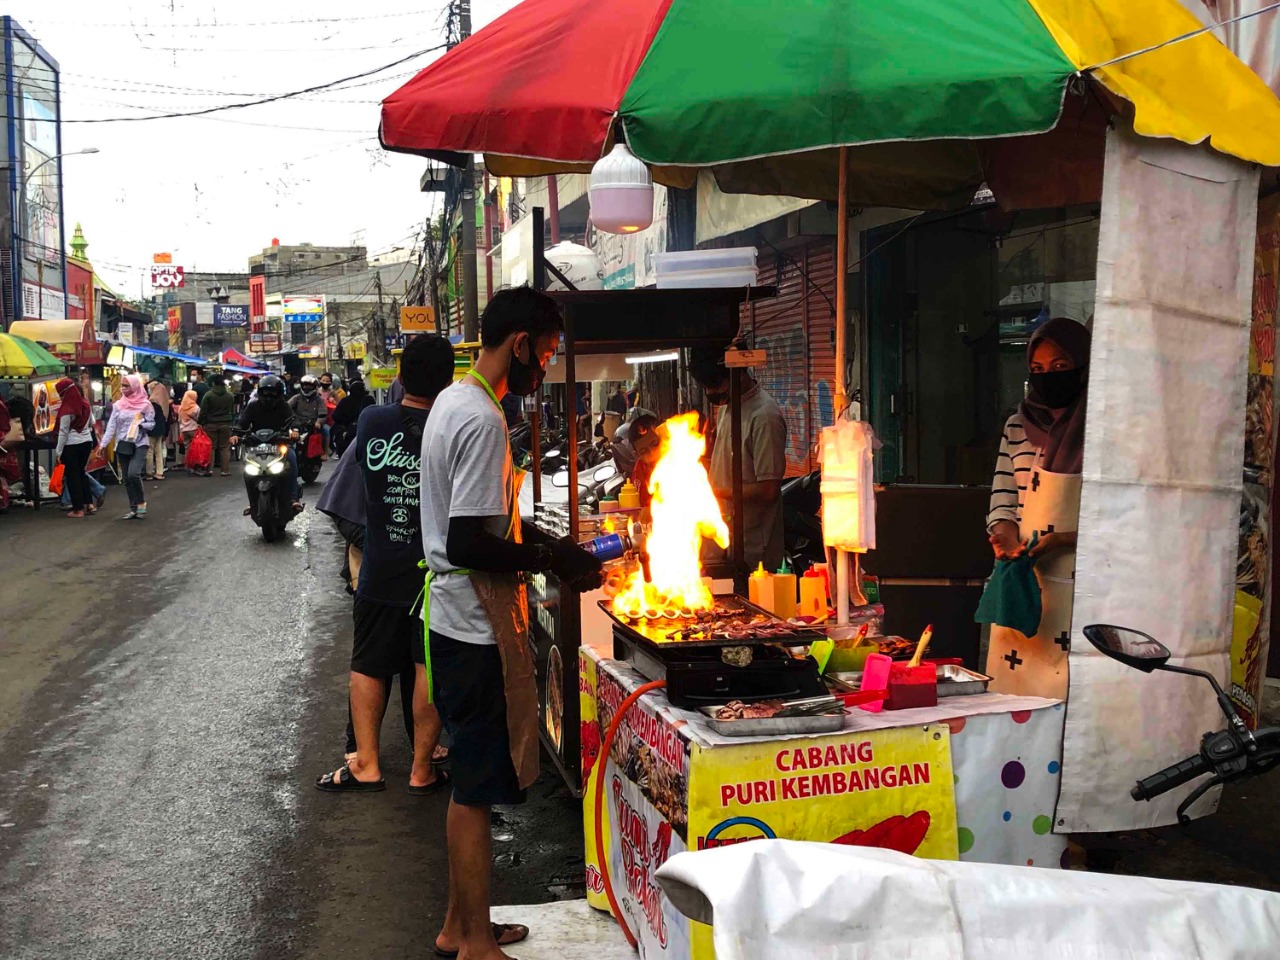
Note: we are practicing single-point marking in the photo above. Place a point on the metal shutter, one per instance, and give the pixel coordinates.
(797, 328)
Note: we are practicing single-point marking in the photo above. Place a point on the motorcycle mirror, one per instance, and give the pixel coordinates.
(553, 452)
(1133, 648)
(560, 479)
(604, 473)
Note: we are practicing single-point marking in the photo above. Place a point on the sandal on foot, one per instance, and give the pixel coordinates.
(505, 933)
(441, 781)
(343, 780)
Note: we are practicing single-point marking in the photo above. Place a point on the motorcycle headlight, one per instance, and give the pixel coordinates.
(277, 467)
(252, 469)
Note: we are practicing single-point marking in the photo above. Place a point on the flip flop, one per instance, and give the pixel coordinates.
(438, 761)
(344, 781)
(500, 930)
(442, 780)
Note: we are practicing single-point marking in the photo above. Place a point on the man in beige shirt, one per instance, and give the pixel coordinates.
(764, 460)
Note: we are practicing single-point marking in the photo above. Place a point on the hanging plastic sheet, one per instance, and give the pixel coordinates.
(848, 490)
(1162, 486)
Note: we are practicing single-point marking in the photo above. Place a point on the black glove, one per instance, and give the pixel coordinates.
(574, 566)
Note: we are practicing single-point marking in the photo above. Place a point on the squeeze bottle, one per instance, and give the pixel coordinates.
(784, 592)
(813, 595)
(628, 497)
(760, 588)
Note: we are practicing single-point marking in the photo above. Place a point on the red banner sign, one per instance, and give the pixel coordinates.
(167, 276)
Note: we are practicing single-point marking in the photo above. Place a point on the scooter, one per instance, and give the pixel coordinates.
(268, 481)
(1226, 755)
(310, 448)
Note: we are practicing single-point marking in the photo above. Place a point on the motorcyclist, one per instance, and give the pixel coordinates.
(308, 404)
(270, 411)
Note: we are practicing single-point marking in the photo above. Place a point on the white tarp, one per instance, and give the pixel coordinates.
(813, 901)
(1162, 482)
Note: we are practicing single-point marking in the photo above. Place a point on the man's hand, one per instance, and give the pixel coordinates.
(1005, 541)
(575, 566)
(1052, 542)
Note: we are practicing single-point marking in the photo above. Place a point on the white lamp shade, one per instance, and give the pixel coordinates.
(621, 192)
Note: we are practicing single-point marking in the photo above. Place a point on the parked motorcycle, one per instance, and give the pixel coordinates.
(310, 448)
(1231, 754)
(268, 480)
(802, 521)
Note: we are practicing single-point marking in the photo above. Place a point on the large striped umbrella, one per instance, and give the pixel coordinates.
(20, 357)
(762, 91)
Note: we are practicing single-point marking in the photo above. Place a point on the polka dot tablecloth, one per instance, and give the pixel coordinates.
(1007, 768)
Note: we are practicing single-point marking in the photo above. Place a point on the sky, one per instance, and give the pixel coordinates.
(212, 190)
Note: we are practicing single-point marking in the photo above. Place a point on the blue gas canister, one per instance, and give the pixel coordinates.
(609, 547)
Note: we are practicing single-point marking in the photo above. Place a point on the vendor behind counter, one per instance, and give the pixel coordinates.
(764, 458)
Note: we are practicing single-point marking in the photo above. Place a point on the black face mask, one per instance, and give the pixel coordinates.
(524, 378)
(717, 396)
(1059, 388)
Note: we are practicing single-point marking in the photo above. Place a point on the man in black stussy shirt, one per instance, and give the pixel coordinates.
(388, 633)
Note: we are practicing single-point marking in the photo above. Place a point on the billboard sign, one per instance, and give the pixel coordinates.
(230, 314)
(167, 276)
(162, 258)
(417, 320)
(43, 191)
(264, 343)
(303, 309)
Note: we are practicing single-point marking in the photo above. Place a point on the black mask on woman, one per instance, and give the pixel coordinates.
(524, 377)
(1058, 388)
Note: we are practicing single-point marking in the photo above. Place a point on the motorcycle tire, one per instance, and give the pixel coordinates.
(309, 471)
(270, 532)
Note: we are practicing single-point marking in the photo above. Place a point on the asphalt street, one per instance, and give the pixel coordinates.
(169, 690)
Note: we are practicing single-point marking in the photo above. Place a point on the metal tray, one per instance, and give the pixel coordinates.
(957, 681)
(777, 726)
(654, 633)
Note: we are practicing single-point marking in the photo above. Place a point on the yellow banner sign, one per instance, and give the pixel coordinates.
(380, 378)
(417, 320)
(355, 351)
(162, 258)
(886, 788)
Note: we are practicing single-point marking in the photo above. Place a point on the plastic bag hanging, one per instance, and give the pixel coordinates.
(848, 486)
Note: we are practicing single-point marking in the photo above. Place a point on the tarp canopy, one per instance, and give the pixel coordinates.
(929, 93)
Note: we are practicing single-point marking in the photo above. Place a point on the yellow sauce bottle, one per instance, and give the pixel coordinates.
(629, 497)
(813, 596)
(784, 592)
(760, 588)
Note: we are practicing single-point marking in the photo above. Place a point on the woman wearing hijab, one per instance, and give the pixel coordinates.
(158, 448)
(132, 418)
(188, 420)
(346, 413)
(75, 443)
(1035, 507)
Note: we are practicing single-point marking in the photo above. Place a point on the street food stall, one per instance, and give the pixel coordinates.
(28, 373)
(1150, 119)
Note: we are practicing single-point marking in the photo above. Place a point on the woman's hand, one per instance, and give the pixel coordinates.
(1004, 540)
(1051, 542)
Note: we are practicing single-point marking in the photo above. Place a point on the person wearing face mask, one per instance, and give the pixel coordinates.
(764, 458)
(1035, 506)
(475, 608)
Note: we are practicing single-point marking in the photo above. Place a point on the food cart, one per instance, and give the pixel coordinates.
(29, 372)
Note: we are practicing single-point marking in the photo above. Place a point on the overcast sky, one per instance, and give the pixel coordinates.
(213, 190)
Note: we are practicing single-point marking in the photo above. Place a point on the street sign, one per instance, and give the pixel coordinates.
(417, 320)
(380, 378)
(303, 309)
(355, 350)
(230, 314)
(744, 358)
(167, 276)
(264, 343)
(393, 341)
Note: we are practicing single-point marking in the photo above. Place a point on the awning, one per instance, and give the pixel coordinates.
(70, 340)
(168, 354)
(231, 355)
(246, 371)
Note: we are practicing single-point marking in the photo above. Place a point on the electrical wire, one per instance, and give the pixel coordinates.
(245, 23)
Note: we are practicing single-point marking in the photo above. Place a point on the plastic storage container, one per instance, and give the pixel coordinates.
(697, 261)
(687, 280)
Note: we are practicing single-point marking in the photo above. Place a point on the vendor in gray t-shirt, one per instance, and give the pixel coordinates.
(478, 654)
(764, 458)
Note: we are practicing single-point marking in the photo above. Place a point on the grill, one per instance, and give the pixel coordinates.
(695, 670)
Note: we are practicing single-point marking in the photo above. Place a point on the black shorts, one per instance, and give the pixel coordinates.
(470, 696)
(388, 638)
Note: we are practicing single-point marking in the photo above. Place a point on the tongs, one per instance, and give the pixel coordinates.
(825, 705)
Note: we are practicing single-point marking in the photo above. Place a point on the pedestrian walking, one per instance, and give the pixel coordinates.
(217, 413)
(198, 384)
(476, 609)
(388, 631)
(158, 434)
(132, 418)
(188, 419)
(347, 413)
(75, 443)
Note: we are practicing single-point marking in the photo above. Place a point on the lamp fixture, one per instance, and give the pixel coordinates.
(621, 192)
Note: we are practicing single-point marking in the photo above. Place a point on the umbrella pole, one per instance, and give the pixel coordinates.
(847, 566)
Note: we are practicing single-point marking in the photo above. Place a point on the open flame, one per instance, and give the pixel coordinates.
(684, 511)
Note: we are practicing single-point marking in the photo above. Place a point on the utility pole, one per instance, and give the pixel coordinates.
(470, 283)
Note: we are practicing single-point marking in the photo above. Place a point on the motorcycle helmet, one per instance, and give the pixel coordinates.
(309, 384)
(271, 388)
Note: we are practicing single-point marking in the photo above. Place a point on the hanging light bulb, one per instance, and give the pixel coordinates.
(621, 192)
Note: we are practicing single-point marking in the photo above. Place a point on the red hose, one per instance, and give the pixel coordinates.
(601, 763)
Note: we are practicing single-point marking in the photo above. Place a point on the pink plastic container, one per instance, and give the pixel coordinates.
(875, 676)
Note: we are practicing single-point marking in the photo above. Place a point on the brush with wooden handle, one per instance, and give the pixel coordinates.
(922, 646)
